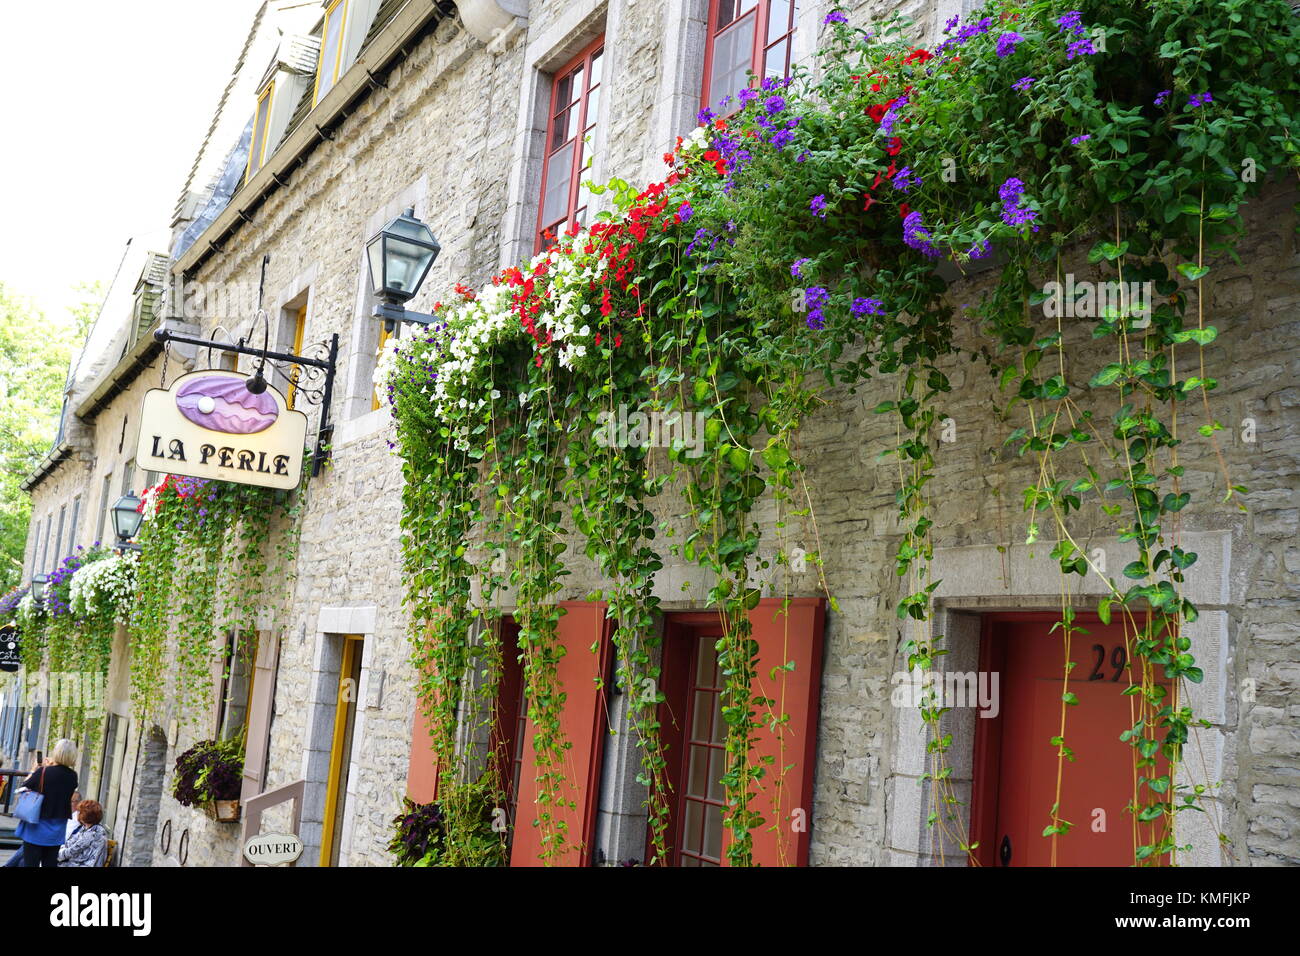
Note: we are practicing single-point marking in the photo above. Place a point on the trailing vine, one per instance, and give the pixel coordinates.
(204, 572)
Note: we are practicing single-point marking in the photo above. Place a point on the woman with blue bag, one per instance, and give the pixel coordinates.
(45, 806)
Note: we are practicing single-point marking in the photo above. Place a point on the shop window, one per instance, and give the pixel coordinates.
(570, 142)
(261, 121)
(745, 36)
(330, 65)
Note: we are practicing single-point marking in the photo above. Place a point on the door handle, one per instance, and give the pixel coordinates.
(1004, 851)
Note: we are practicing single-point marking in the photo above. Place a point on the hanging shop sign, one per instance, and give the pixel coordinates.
(10, 650)
(209, 425)
(272, 849)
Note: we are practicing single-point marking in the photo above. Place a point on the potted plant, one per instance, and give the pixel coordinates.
(421, 835)
(210, 775)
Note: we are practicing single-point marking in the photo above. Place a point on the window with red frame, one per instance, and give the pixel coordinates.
(746, 35)
(570, 139)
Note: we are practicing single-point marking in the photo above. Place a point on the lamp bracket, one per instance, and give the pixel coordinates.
(395, 313)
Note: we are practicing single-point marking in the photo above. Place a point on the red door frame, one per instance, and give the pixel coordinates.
(986, 763)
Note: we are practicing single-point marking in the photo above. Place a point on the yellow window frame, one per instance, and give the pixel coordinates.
(299, 331)
(338, 51)
(383, 340)
(256, 149)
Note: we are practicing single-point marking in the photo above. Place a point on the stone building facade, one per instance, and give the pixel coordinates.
(444, 108)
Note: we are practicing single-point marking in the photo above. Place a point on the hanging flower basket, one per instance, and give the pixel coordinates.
(224, 811)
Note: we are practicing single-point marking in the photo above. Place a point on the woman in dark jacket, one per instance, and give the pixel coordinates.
(56, 779)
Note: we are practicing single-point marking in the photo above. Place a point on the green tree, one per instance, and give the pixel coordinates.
(34, 354)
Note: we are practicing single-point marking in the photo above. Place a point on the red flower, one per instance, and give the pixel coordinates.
(668, 158)
(904, 209)
(917, 55)
(618, 340)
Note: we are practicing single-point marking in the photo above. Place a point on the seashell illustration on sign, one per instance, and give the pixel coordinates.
(225, 404)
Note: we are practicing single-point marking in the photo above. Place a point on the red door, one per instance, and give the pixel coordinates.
(1016, 762)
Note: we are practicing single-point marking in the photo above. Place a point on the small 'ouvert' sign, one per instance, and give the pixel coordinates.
(272, 849)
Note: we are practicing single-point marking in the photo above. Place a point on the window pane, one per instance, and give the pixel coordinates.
(593, 107)
(729, 10)
(719, 767)
(597, 64)
(713, 832)
(694, 823)
(565, 125)
(703, 713)
(774, 61)
(706, 662)
(697, 780)
(329, 51)
(733, 57)
(559, 169)
(778, 19)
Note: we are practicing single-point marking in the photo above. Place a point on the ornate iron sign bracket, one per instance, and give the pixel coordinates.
(309, 368)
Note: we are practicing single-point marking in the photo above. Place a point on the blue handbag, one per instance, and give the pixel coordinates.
(28, 805)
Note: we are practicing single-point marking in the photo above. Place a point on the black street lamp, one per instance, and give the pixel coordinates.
(126, 521)
(38, 586)
(400, 256)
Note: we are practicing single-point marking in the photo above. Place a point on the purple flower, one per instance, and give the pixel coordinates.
(796, 270)
(1199, 99)
(699, 234)
(1070, 21)
(705, 116)
(684, 212)
(917, 236)
(863, 307)
(891, 116)
(818, 206)
(1080, 139)
(1013, 213)
(746, 96)
(774, 104)
(905, 179)
(1079, 48)
(973, 30)
(814, 298)
(1162, 96)
(802, 157)
(979, 250)
(1023, 84)
(782, 138)
(1007, 44)
(835, 16)
(952, 24)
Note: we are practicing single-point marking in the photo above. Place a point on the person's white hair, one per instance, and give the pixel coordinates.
(64, 752)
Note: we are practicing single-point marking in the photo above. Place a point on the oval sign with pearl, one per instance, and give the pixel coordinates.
(209, 425)
(225, 404)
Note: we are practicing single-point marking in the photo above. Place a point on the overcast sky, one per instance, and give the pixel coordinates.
(105, 105)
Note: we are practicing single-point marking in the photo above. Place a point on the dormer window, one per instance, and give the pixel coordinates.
(257, 150)
(331, 65)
